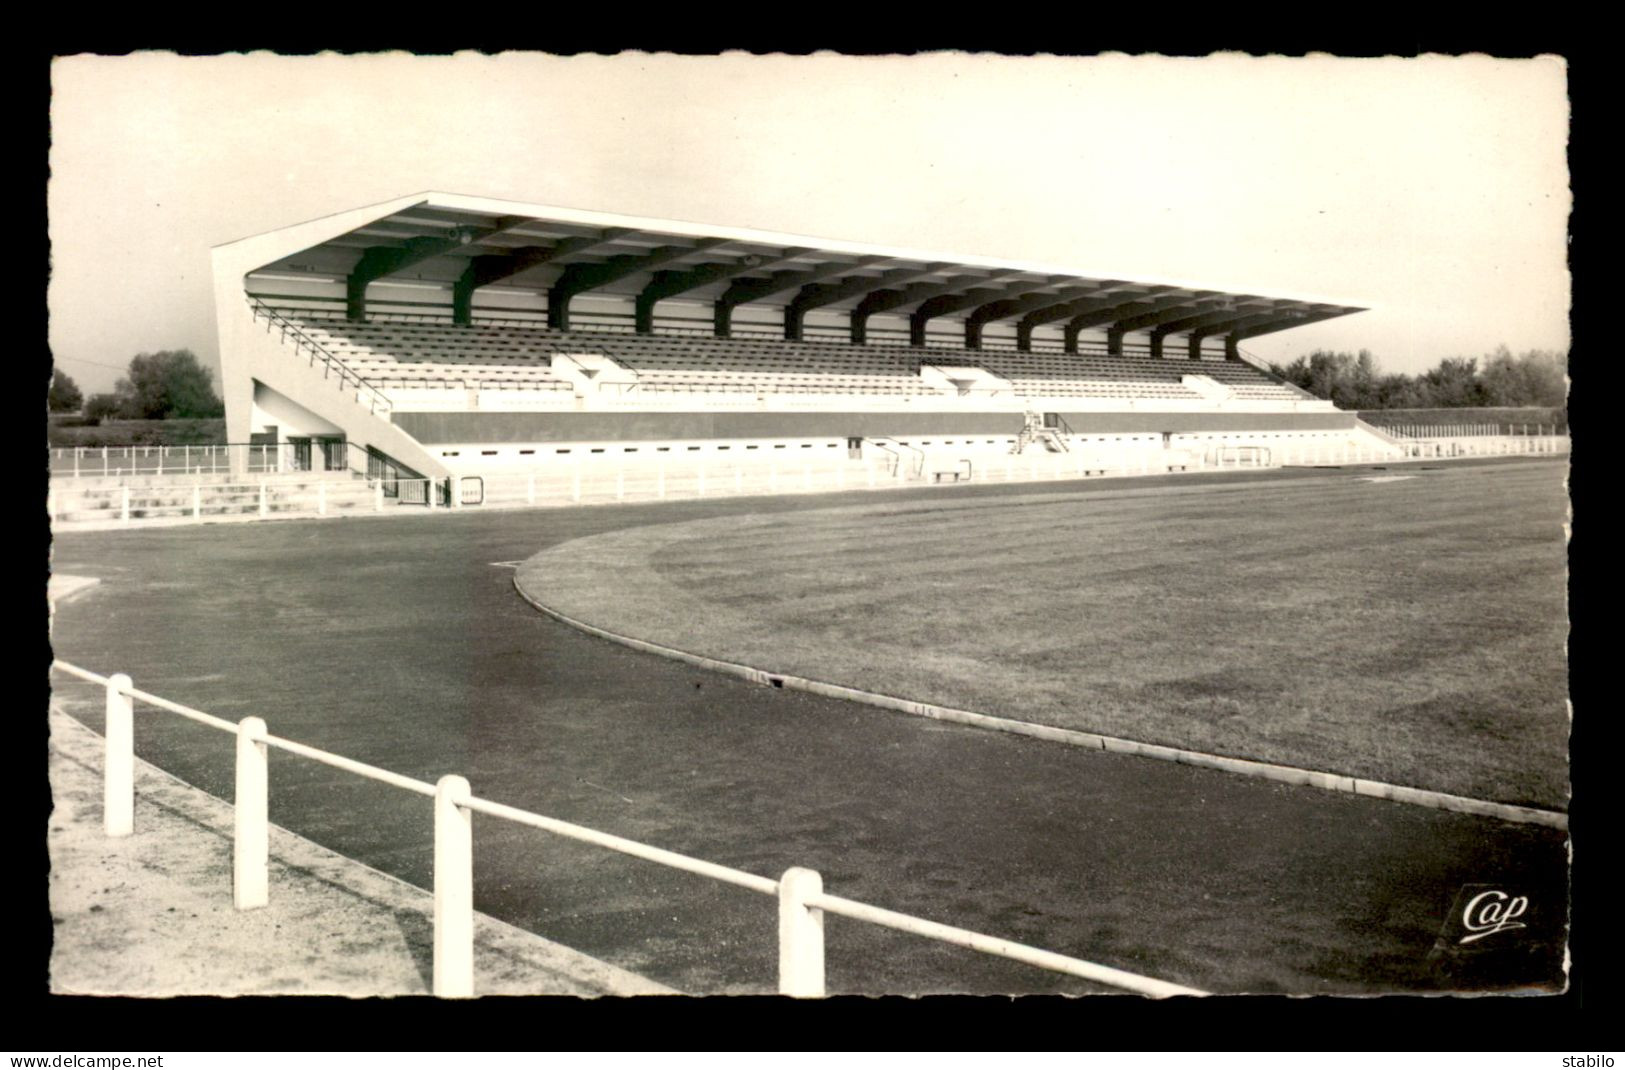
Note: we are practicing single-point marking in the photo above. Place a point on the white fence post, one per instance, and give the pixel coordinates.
(321, 499)
(456, 492)
(801, 935)
(378, 496)
(118, 776)
(453, 889)
(197, 502)
(428, 493)
(251, 833)
(264, 505)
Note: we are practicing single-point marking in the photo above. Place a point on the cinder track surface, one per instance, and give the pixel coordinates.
(402, 643)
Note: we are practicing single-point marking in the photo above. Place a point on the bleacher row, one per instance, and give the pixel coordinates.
(392, 355)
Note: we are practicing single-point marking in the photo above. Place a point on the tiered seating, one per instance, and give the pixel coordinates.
(1130, 375)
(1078, 375)
(430, 355)
(1245, 381)
(512, 356)
(758, 365)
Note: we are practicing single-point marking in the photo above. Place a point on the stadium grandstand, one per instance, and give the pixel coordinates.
(441, 336)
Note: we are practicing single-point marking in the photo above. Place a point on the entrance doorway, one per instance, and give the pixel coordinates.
(334, 458)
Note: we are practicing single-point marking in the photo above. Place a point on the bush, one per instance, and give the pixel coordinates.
(140, 433)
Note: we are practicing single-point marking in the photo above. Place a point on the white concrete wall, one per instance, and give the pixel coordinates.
(272, 409)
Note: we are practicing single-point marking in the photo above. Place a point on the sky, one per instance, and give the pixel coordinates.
(1432, 191)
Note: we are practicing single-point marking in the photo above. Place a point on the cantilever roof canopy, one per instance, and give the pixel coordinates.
(471, 243)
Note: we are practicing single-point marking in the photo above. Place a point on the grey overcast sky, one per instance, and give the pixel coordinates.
(1433, 191)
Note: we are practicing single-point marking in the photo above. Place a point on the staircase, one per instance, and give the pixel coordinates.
(1034, 430)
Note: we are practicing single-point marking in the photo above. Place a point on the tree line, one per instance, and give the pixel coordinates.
(1537, 378)
(168, 385)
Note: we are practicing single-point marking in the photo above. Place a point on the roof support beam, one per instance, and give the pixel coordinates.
(819, 294)
(1003, 309)
(744, 291)
(1194, 340)
(1111, 315)
(671, 283)
(1198, 317)
(1201, 323)
(580, 278)
(485, 270)
(957, 302)
(1118, 296)
(886, 300)
(382, 260)
(1188, 307)
(1183, 310)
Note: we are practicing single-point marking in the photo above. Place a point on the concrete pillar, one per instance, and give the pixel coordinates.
(453, 889)
(251, 830)
(801, 935)
(118, 773)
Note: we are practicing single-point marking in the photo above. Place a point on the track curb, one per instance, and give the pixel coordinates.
(1286, 774)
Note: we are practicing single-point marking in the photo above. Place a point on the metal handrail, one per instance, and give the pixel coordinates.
(347, 376)
(797, 941)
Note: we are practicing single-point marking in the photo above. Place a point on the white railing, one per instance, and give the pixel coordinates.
(198, 501)
(93, 462)
(802, 902)
(1486, 446)
(1484, 430)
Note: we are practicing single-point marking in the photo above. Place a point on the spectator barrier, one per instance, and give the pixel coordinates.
(802, 901)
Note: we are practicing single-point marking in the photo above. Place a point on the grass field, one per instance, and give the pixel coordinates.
(1411, 630)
